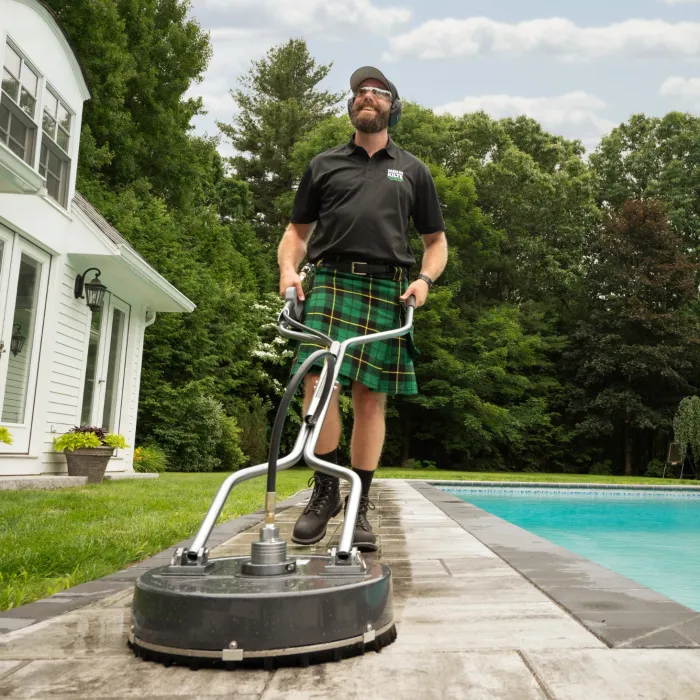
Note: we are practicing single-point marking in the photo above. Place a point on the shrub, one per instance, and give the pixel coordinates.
(655, 468)
(253, 425)
(603, 468)
(5, 436)
(194, 430)
(150, 459)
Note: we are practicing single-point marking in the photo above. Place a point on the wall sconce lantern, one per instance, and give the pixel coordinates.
(17, 341)
(94, 291)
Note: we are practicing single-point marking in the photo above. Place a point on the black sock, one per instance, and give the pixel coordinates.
(365, 478)
(329, 457)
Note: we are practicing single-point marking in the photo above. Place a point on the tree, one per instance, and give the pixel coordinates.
(631, 353)
(279, 103)
(658, 158)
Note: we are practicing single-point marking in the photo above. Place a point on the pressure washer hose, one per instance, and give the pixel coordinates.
(281, 416)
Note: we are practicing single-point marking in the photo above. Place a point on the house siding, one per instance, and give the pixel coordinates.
(67, 371)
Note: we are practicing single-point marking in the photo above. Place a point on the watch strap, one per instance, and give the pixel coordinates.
(426, 279)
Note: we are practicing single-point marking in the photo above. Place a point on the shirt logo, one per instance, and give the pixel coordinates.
(395, 175)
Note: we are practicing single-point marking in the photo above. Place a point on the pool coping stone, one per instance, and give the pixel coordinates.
(619, 611)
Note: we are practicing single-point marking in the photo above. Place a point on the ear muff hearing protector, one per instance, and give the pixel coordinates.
(394, 115)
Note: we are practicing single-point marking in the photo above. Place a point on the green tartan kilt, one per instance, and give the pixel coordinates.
(343, 305)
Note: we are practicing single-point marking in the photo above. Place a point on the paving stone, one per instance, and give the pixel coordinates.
(663, 639)
(449, 591)
(482, 626)
(690, 629)
(396, 676)
(6, 667)
(8, 624)
(83, 633)
(630, 674)
(619, 627)
(127, 678)
(409, 569)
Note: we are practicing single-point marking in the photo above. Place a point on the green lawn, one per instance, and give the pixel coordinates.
(51, 540)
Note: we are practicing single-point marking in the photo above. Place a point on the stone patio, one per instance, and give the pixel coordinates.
(469, 626)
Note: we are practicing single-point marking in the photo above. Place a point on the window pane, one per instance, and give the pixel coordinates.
(91, 372)
(53, 187)
(12, 61)
(18, 137)
(10, 85)
(50, 104)
(62, 139)
(30, 80)
(27, 103)
(4, 123)
(49, 126)
(17, 382)
(64, 117)
(55, 164)
(114, 366)
(42, 159)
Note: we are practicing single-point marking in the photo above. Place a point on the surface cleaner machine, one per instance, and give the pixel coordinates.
(271, 608)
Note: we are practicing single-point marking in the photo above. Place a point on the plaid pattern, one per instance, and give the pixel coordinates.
(343, 305)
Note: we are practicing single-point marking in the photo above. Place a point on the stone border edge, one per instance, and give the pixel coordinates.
(90, 592)
(566, 578)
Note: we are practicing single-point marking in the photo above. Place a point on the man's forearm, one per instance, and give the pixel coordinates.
(292, 248)
(435, 258)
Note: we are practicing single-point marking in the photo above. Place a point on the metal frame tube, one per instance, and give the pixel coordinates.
(236, 478)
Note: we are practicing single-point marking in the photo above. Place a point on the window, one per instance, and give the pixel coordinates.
(54, 163)
(20, 87)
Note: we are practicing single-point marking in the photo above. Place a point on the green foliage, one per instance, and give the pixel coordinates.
(88, 436)
(655, 468)
(150, 458)
(193, 429)
(278, 103)
(604, 468)
(564, 326)
(5, 435)
(686, 427)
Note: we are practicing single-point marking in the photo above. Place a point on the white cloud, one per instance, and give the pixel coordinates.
(555, 37)
(572, 115)
(681, 2)
(316, 16)
(685, 89)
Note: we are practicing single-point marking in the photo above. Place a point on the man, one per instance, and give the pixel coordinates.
(357, 199)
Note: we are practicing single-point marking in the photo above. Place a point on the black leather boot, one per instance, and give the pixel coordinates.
(324, 504)
(363, 538)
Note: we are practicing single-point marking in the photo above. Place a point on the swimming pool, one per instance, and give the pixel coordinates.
(652, 537)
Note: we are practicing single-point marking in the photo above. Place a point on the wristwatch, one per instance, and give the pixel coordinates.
(426, 279)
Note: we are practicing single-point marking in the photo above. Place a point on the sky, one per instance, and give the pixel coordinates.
(578, 67)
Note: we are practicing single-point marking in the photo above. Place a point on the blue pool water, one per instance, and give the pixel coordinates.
(650, 537)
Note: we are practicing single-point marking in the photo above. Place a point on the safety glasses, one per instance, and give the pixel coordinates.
(377, 92)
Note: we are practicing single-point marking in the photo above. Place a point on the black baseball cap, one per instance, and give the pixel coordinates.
(366, 72)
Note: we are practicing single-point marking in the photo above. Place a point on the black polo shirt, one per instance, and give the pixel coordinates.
(363, 205)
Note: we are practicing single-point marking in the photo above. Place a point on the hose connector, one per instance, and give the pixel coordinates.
(270, 504)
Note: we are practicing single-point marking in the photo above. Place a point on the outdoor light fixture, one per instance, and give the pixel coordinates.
(17, 341)
(94, 290)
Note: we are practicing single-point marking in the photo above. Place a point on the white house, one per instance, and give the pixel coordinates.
(61, 363)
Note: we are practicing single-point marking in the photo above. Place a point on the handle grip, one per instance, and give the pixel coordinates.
(411, 301)
(292, 304)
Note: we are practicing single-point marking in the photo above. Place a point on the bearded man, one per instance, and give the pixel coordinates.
(351, 219)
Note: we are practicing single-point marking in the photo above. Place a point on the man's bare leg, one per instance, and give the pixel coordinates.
(369, 428)
(368, 434)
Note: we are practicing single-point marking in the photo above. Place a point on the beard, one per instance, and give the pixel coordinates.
(369, 122)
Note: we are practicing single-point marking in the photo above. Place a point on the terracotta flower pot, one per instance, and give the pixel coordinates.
(89, 461)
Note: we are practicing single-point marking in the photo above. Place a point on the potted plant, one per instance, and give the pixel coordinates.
(5, 435)
(88, 449)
